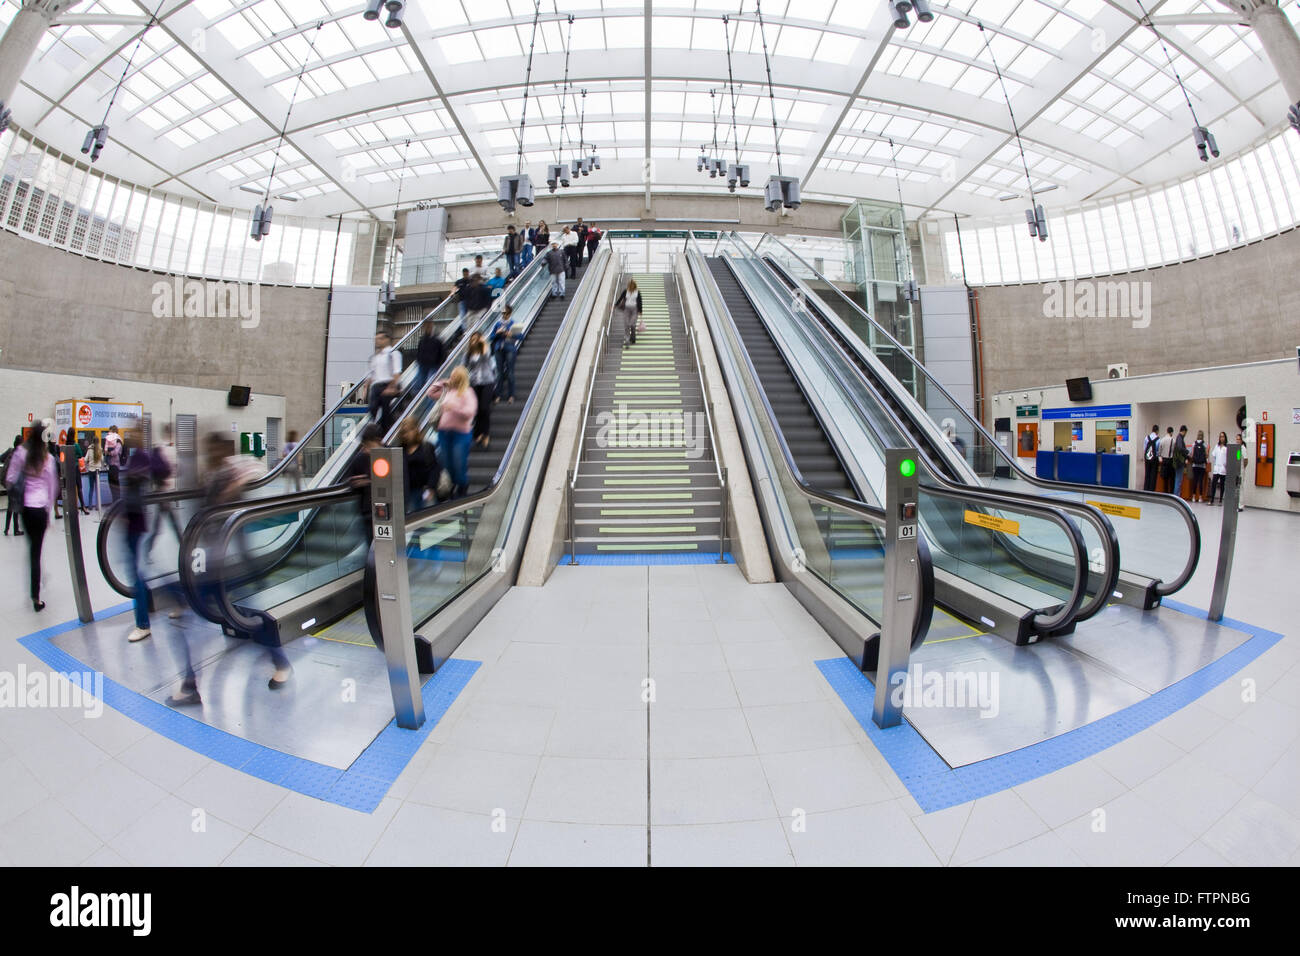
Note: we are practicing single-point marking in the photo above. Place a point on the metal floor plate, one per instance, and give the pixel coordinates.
(1040, 691)
(337, 702)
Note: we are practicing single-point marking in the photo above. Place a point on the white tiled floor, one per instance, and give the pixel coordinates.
(552, 754)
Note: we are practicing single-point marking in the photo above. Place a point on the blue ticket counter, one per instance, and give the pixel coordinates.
(1084, 468)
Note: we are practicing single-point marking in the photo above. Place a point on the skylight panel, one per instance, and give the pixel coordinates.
(239, 32)
(623, 32)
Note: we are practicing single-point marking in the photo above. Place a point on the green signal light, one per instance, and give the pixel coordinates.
(907, 467)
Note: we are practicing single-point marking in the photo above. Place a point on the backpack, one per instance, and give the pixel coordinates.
(1151, 450)
(159, 468)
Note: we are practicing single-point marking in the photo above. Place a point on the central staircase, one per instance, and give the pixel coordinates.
(647, 480)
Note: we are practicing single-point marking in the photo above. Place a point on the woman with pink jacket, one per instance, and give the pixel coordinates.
(32, 475)
(456, 426)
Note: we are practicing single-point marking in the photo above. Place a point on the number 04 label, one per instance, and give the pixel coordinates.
(384, 531)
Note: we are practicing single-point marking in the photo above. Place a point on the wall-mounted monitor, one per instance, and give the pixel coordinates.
(1079, 389)
(239, 396)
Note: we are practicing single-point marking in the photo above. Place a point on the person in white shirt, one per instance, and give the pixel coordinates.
(293, 465)
(479, 269)
(385, 369)
(569, 246)
(1219, 467)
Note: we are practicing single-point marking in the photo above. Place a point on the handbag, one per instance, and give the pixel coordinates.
(640, 325)
(444, 483)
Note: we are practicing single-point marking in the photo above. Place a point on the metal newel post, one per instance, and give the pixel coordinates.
(1228, 534)
(900, 585)
(388, 519)
(72, 532)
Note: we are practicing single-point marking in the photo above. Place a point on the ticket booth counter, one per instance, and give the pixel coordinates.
(90, 421)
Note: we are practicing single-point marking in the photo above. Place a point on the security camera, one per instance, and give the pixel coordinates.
(372, 9)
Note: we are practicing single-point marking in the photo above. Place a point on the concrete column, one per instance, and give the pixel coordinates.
(22, 38)
(1278, 38)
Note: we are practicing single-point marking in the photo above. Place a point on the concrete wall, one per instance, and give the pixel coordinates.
(1240, 306)
(1205, 398)
(26, 392)
(61, 312)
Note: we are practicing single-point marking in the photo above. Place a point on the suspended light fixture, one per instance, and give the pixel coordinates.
(781, 190)
(711, 162)
(518, 189)
(1202, 137)
(396, 10)
(587, 163)
(557, 173)
(1034, 215)
(899, 9)
(97, 138)
(261, 222)
(737, 172)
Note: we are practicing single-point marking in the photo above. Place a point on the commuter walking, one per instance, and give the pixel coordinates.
(593, 240)
(1166, 451)
(555, 266)
(629, 306)
(94, 462)
(78, 464)
(385, 369)
(572, 250)
(138, 480)
(1180, 459)
(455, 426)
(421, 471)
(1151, 457)
(13, 507)
(1219, 467)
(505, 343)
(580, 229)
(430, 353)
(541, 238)
(1241, 505)
(293, 461)
(1199, 456)
(528, 234)
(513, 247)
(113, 448)
(162, 473)
(32, 478)
(461, 292)
(482, 370)
(53, 451)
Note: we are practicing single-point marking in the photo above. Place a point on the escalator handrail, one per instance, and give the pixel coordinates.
(1105, 530)
(860, 509)
(1181, 507)
(1043, 620)
(596, 366)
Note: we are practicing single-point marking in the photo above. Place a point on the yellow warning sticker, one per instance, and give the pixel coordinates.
(1118, 511)
(993, 522)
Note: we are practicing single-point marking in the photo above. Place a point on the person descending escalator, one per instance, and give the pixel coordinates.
(555, 266)
(483, 379)
(422, 468)
(505, 345)
(459, 405)
(372, 436)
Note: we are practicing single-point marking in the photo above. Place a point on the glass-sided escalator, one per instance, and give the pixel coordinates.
(1018, 567)
(1158, 535)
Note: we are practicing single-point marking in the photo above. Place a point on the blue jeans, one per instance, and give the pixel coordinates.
(528, 253)
(134, 541)
(512, 259)
(506, 373)
(557, 284)
(453, 452)
(1178, 481)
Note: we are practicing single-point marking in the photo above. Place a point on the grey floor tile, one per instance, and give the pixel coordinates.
(172, 833)
(878, 835)
(46, 835)
(677, 732)
(831, 778)
(1070, 792)
(1255, 832)
(476, 781)
(111, 798)
(432, 836)
(810, 725)
(780, 685)
(541, 843)
(1046, 849)
(595, 733)
(752, 843)
(996, 823)
(1128, 831)
(1191, 793)
(586, 790)
(709, 790)
(236, 797)
(326, 832)
(253, 851)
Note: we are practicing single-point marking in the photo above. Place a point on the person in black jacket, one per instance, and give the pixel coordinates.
(430, 353)
(14, 508)
(513, 247)
(581, 229)
(421, 471)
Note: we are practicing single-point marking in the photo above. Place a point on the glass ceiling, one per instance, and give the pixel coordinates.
(434, 107)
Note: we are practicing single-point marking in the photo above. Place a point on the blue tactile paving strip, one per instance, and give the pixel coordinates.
(649, 558)
(936, 786)
(361, 787)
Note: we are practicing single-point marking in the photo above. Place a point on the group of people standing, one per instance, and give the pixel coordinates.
(1169, 458)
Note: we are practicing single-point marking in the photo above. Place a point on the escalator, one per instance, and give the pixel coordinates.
(311, 575)
(1158, 535)
(980, 570)
(318, 461)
